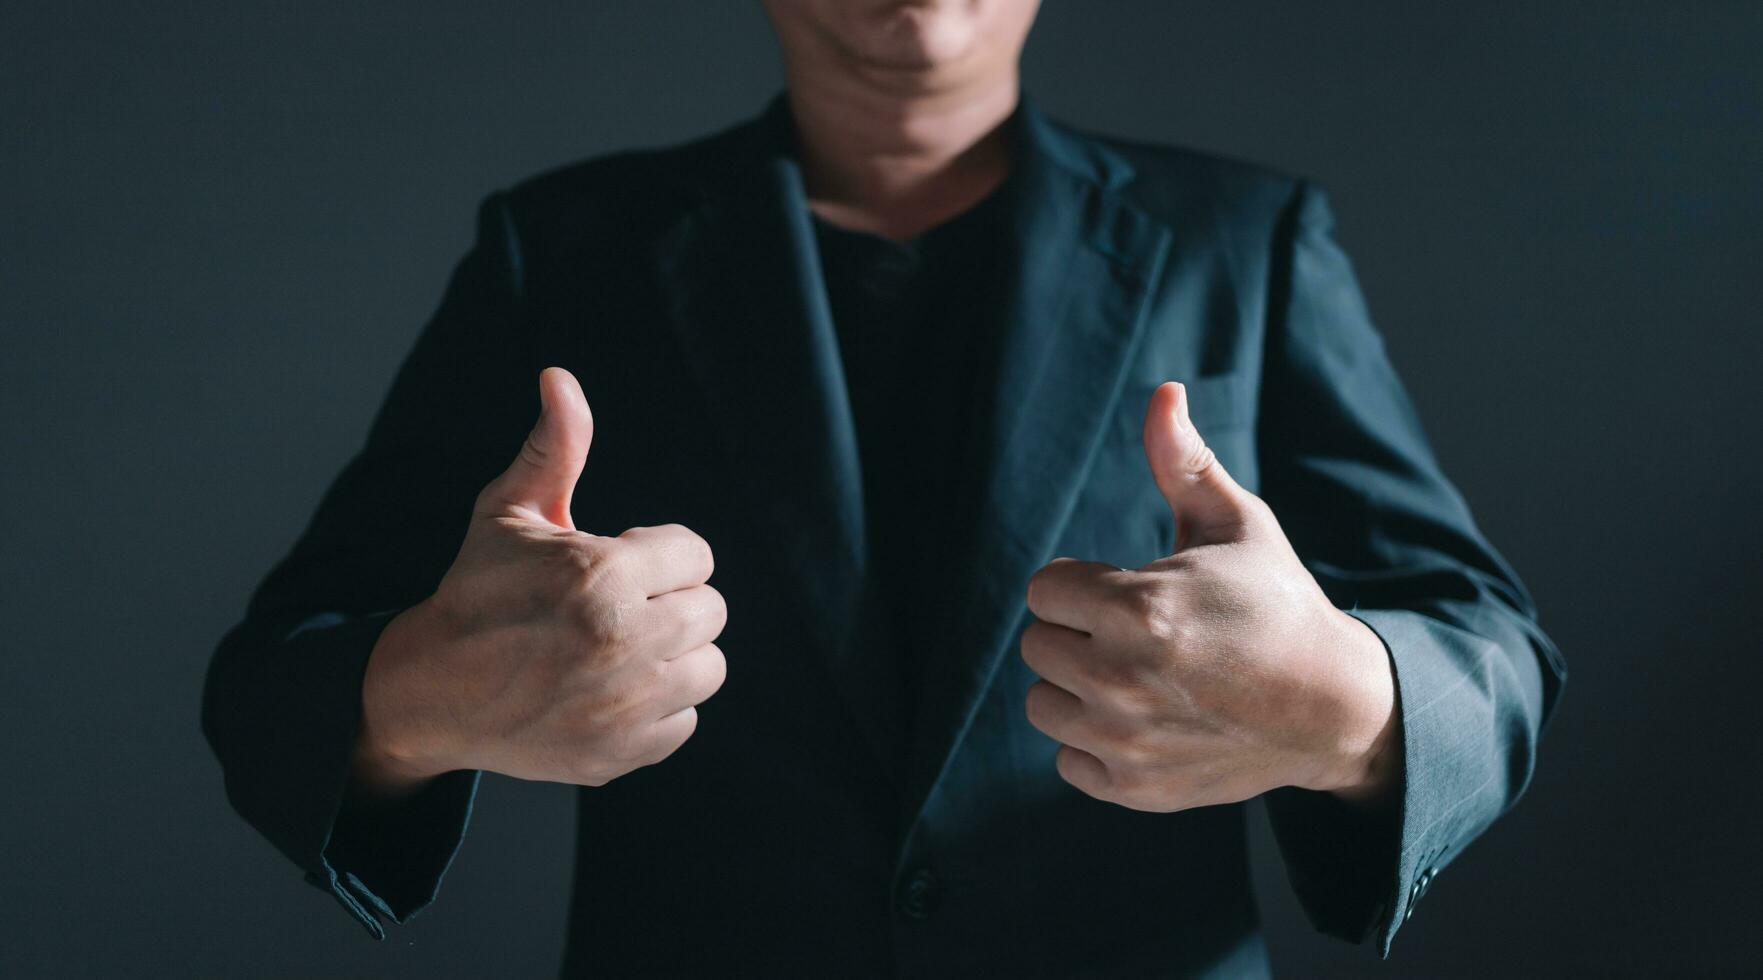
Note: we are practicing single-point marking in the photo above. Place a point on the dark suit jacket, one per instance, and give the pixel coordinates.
(806, 827)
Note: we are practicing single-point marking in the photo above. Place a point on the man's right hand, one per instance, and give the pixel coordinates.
(546, 652)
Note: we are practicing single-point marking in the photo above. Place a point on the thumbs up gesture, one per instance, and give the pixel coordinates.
(1214, 674)
(546, 652)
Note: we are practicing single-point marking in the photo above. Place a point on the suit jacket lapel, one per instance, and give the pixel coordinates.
(747, 300)
(1081, 265)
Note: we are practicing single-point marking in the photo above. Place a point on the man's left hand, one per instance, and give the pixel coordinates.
(1212, 675)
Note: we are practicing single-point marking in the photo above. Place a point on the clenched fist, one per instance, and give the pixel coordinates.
(546, 652)
(1212, 675)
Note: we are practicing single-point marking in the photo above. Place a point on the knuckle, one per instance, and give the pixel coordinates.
(593, 563)
(716, 608)
(651, 677)
(614, 558)
(608, 623)
(675, 543)
(654, 752)
(1132, 750)
(608, 722)
(688, 728)
(718, 669)
(597, 776)
(1036, 591)
(662, 747)
(599, 723)
(694, 548)
(1149, 608)
(581, 576)
(587, 769)
(588, 775)
(697, 677)
(690, 725)
(626, 745)
(634, 534)
(1069, 764)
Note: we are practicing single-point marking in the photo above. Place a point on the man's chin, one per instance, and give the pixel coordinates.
(915, 38)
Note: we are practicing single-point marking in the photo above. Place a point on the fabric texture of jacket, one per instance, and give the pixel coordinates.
(806, 828)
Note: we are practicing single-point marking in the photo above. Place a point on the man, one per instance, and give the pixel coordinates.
(1059, 496)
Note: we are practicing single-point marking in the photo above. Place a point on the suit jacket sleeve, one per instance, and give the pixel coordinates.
(282, 698)
(1345, 466)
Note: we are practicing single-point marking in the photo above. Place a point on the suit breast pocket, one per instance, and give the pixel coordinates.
(1216, 403)
(1121, 517)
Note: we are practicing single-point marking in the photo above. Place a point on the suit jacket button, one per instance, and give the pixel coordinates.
(920, 895)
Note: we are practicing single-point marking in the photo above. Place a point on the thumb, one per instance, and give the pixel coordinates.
(542, 478)
(1209, 506)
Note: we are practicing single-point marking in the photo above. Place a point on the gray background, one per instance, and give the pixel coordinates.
(221, 226)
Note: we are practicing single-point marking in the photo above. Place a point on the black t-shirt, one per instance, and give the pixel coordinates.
(911, 319)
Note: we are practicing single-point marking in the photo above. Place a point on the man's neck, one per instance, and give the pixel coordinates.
(897, 164)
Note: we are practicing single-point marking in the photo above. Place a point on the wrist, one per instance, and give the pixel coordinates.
(390, 758)
(1366, 742)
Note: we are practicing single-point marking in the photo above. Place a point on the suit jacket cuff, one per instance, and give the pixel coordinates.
(391, 861)
(388, 861)
(1359, 874)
